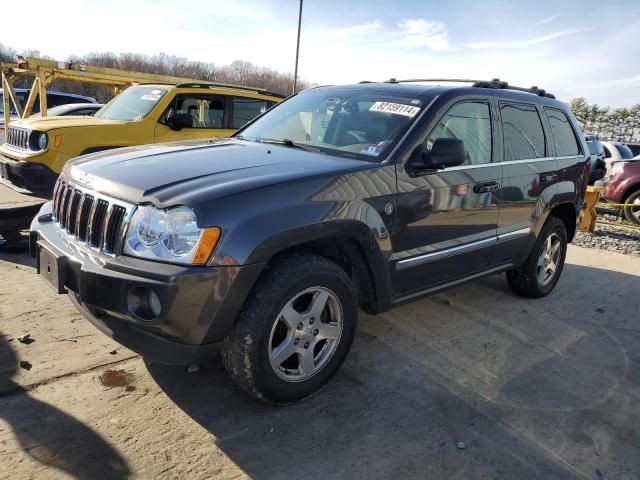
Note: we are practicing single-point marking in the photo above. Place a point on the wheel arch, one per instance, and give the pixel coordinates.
(350, 244)
(630, 190)
(567, 213)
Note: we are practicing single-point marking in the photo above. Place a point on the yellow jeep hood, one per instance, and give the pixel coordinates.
(51, 123)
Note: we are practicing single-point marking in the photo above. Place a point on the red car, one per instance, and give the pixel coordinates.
(623, 186)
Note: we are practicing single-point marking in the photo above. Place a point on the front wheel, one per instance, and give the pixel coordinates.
(295, 330)
(540, 273)
(633, 213)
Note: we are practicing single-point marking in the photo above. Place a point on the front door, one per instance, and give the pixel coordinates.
(447, 219)
(209, 115)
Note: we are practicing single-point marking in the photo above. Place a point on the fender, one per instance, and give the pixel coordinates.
(568, 190)
(258, 225)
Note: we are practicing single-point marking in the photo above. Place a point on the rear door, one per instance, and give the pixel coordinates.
(529, 170)
(447, 219)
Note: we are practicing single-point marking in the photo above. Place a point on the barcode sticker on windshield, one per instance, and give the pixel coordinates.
(148, 96)
(397, 108)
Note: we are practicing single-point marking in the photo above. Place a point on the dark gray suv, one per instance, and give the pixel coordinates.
(266, 244)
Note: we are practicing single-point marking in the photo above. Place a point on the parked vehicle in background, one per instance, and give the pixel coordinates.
(634, 147)
(54, 99)
(72, 109)
(598, 165)
(616, 152)
(339, 198)
(623, 186)
(36, 149)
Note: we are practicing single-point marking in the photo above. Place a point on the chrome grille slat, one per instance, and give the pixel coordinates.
(91, 217)
(76, 230)
(113, 227)
(64, 206)
(97, 224)
(72, 215)
(83, 227)
(107, 219)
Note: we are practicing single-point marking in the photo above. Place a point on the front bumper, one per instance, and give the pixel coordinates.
(198, 304)
(27, 177)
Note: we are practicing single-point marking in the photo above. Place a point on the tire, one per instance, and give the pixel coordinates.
(633, 213)
(529, 280)
(278, 318)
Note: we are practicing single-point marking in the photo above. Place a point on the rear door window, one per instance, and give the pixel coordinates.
(563, 135)
(246, 109)
(522, 131)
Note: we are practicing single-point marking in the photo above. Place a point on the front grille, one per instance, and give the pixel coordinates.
(90, 217)
(18, 137)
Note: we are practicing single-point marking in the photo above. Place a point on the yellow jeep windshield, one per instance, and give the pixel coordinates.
(134, 103)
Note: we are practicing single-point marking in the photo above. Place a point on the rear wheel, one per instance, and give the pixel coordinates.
(540, 273)
(633, 213)
(295, 330)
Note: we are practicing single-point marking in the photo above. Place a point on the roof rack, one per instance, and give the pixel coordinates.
(228, 85)
(495, 83)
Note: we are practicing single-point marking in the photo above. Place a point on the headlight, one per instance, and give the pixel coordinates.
(43, 141)
(169, 235)
(38, 141)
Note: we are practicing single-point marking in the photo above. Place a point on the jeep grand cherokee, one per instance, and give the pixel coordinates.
(339, 198)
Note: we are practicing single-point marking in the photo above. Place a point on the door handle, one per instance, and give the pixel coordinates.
(486, 187)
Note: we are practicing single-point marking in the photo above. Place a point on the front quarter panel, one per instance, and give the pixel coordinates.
(259, 224)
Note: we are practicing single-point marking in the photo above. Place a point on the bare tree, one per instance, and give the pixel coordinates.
(619, 124)
(238, 72)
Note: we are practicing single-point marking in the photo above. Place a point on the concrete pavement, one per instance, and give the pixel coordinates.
(472, 383)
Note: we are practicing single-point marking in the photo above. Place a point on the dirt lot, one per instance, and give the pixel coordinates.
(474, 383)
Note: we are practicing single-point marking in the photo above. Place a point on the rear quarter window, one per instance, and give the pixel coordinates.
(562, 133)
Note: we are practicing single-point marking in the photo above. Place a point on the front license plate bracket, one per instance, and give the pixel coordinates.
(51, 268)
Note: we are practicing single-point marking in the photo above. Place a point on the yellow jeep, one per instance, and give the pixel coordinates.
(36, 149)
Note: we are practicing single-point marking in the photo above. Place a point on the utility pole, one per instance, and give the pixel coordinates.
(295, 74)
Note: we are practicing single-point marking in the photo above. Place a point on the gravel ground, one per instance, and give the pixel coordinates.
(620, 239)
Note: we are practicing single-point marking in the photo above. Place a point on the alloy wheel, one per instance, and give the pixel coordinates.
(549, 259)
(305, 334)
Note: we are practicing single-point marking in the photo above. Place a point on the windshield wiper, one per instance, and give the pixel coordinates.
(287, 142)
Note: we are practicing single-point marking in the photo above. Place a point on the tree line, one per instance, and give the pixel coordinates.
(615, 124)
(238, 72)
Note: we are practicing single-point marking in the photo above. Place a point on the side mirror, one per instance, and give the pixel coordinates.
(445, 152)
(178, 121)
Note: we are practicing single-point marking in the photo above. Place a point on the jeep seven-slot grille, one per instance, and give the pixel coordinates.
(18, 138)
(96, 221)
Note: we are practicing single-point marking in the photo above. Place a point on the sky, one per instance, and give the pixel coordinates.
(573, 49)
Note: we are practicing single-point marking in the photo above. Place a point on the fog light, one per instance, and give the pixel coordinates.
(144, 303)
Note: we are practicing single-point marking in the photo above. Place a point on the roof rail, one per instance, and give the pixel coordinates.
(228, 85)
(495, 83)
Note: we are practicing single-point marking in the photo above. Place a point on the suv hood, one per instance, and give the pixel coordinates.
(51, 123)
(189, 173)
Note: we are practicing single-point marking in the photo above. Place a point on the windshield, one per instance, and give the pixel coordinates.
(22, 98)
(354, 123)
(625, 152)
(134, 103)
